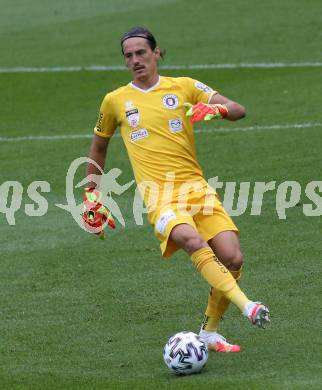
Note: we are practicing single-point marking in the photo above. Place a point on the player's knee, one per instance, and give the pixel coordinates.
(193, 244)
(237, 261)
(233, 259)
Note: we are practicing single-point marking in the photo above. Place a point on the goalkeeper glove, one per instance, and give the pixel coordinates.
(202, 111)
(95, 213)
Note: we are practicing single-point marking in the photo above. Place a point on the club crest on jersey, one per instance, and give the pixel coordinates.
(133, 117)
(175, 125)
(202, 87)
(170, 101)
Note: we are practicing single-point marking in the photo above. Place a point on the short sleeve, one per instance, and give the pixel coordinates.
(198, 91)
(107, 122)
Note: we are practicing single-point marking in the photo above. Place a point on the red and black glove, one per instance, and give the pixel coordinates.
(96, 216)
(202, 111)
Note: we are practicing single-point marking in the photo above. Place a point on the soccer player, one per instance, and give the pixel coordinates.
(155, 115)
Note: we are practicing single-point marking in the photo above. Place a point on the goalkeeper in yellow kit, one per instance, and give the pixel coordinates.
(155, 115)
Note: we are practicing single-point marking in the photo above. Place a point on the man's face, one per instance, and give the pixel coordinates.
(140, 58)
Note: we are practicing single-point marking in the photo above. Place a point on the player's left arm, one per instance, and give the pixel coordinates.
(235, 110)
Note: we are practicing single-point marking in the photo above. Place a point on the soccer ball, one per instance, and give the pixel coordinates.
(185, 353)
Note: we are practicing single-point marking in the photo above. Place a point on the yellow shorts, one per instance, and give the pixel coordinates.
(202, 210)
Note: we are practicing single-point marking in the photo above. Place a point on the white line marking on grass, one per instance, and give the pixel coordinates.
(206, 130)
(259, 128)
(264, 65)
(103, 68)
(45, 137)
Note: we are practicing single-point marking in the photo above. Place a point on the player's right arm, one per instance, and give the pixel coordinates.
(103, 131)
(95, 214)
(97, 153)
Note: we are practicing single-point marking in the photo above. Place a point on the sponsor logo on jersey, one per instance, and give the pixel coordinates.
(164, 220)
(170, 101)
(133, 117)
(139, 134)
(175, 125)
(202, 87)
(98, 126)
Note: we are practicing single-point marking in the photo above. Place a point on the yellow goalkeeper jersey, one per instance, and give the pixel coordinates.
(156, 132)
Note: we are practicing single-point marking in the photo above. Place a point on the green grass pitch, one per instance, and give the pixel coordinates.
(80, 313)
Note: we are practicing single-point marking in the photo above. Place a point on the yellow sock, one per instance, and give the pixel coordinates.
(217, 305)
(218, 276)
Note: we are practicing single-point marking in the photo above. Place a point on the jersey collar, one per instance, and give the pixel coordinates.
(146, 90)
